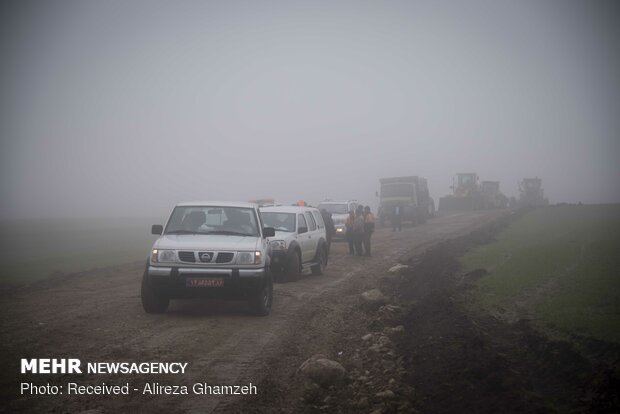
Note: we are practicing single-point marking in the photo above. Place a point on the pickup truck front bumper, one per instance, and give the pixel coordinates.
(239, 284)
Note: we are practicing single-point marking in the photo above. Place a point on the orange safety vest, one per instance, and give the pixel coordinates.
(370, 218)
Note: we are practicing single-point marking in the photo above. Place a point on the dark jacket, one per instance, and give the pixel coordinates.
(330, 229)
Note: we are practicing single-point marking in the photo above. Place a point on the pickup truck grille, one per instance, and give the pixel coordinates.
(190, 257)
(224, 257)
(187, 257)
(205, 257)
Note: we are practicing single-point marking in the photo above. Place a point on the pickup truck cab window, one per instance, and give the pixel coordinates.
(301, 222)
(310, 220)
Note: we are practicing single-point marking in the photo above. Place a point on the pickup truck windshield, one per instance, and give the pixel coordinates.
(231, 221)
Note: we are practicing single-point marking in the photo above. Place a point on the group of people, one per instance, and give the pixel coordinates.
(359, 228)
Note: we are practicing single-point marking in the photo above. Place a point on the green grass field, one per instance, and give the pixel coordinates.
(34, 249)
(557, 266)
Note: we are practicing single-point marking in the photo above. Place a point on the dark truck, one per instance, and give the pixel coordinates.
(410, 194)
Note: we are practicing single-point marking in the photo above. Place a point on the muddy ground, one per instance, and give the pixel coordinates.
(423, 351)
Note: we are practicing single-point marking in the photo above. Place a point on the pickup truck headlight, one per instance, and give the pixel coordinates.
(278, 244)
(245, 258)
(163, 256)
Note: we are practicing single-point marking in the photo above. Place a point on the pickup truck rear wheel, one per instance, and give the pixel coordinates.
(260, 302)
(321, 261)
(152, 301)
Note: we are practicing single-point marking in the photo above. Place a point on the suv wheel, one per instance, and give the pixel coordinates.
(260, 303)
(321, 261)
(293, 269)
(152, 301)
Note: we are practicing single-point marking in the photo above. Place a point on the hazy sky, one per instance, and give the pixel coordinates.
(128, 107)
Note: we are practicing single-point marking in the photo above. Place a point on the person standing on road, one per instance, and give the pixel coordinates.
(397, 218)
(349, 231)
(369, 228)
(358, 231)
(330, 229)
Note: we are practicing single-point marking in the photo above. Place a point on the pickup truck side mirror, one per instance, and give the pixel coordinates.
(269, 232)
(302, 230)
(157, 229)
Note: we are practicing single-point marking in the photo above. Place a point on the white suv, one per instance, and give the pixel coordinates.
(212, 250)
(299, 241)
(339, 211)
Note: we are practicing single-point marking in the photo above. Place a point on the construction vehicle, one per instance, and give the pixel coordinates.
(531, 193)
(492, 196)
(466, 194)
(411, 196)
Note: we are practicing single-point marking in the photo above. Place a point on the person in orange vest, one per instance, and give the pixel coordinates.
(369, 228)
(301, 203)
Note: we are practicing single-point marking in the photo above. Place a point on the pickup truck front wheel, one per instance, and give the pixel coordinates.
(152, 301)
(260, 303)
(293, 268)
(321, 261)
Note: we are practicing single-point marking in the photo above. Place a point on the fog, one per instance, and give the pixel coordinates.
(124, 108)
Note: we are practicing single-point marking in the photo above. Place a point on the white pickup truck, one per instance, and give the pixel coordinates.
(299, 242)
(210, 250)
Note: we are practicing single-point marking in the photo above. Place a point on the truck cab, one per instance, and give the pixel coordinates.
(409, 194)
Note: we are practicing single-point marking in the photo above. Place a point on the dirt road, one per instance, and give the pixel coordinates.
(97, 316)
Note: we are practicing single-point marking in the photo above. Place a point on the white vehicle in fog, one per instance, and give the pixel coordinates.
(210, 250)
(339, 211)
(299, 242)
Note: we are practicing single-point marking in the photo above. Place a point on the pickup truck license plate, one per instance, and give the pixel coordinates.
(208, 282)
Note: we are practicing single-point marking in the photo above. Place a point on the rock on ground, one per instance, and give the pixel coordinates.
(374, 297)
(323, 371)
(398, 268)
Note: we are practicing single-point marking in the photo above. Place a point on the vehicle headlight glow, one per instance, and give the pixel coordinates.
(163, 256)
(278, 244)
(246, 258)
